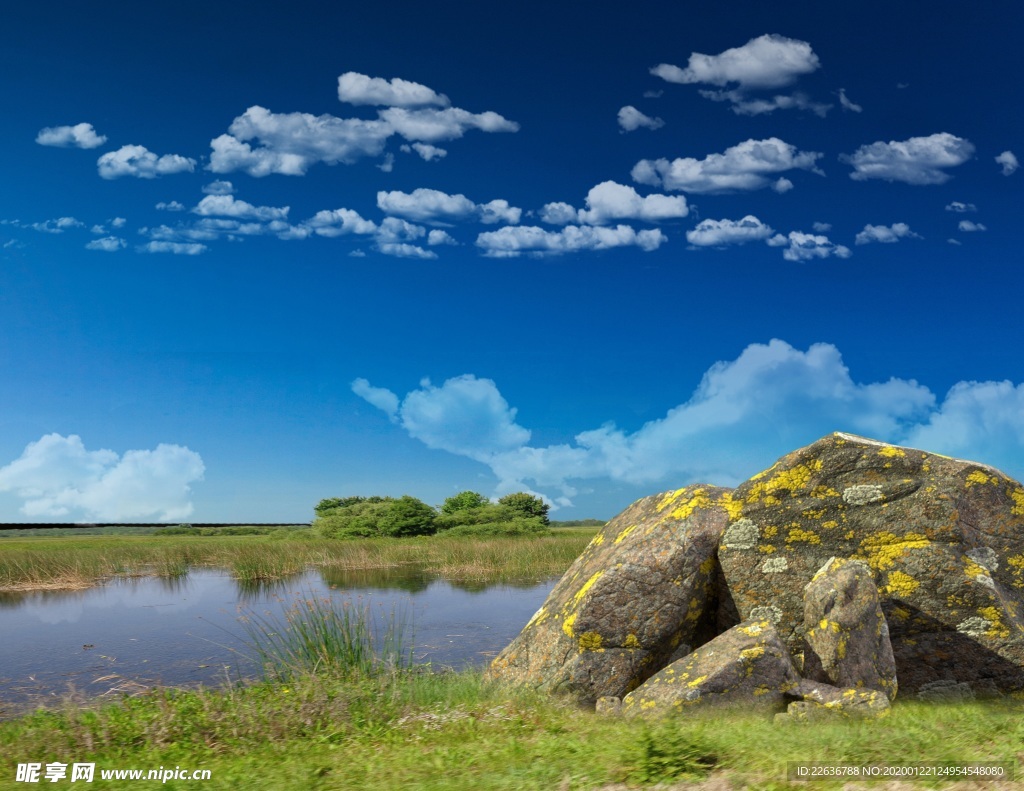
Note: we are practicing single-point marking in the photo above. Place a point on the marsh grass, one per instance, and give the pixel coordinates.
(73, 562)
(317, 635)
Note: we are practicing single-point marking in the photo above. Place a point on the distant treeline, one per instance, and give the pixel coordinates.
(579, 523)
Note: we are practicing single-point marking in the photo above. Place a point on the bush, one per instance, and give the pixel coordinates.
(514, 527)
(463, 501)
(371, 517)
(527, 505)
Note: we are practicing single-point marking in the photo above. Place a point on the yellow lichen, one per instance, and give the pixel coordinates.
(901, 584)
(994, 615)
(567, 625)
(882, 550)
(820, 492)
(586, 586)
(791, 480)
(707, 566)
(699, 499)
(631, 641)
(597, 540)
(538, 617)
(978, 477)
(622, 536)
(900, 613)
(814, 514)
(697, 681)
(891, 452)
(766, 548)
(830, 524)
(669, 498)
(972, 569)
(750, 654)
(770, 531)
(590, 641)
(1018, 502)
(796, 534)
(732, 506)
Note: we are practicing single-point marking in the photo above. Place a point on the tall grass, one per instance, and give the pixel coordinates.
(79, 562)
(319, 636)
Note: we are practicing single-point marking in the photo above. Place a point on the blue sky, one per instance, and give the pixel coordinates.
(250, 259)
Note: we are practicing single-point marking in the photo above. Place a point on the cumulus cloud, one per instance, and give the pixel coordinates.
(430, 125)
(77, 136)
(140, 162)
(631, 119)
(918, 160)
(172, 206)
(802, 246)
(58, 225)
(339, 222)
(885, 234)
(515, 240)
(782, 185)
(744, 413)
(718, 233)
(969, 227)
(58, 476)
(960, 207)
(822, 227)
(769, 61)
(1009, 162)
(177, 248)
(429, 205)
(465, 415)
(426, 151)
(360, 89)
(847, 104)
(746, 166)
(219, 187)
(228, 206)
(108, 244)
(438, 236)
(742, 104)
(611, 201)
(289, 143)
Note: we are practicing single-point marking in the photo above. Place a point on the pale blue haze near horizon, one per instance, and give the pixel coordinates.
(251, 258)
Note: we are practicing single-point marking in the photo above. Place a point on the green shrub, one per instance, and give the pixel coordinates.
(512, 527)
(526, 504)
(463, 501)
(371, 517)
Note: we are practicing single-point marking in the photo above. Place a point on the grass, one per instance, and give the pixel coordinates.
(78, 562)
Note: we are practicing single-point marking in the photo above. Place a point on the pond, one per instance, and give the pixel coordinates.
(130, 634)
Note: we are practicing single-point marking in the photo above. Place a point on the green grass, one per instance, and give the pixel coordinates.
(409, 729)
(78, 562)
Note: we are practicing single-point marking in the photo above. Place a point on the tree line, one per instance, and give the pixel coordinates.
(466, 513)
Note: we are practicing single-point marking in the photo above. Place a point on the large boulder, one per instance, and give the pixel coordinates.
(746, 666)
(943, 538)
(645, 588)
(846, 636)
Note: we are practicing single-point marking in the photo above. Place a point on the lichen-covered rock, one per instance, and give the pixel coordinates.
(747, 665)
(943, 538)
(645, 588)
(821, 701)
(847, 638)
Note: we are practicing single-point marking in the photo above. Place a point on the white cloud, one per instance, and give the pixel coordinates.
(429, 205)
(847, 104)
(219, 187)
(440, 237)
(426, 151)
(289, 143)
(380, 397)
(118, 222)
(558, 213)
(782, 186)
(961, 208)
(802, 246)
(108, 244)
(228, 206)
(338, 222)
(177, 248)
(172, 206)
(393, 237)
(1009, 162)
(969, 227)
(611, 201)
(388, 163)
(57, 476)
(465, 415)
(918, 160)
(717, 233)
(429, 125)
(404, 250)
(744, 413)
(140, 162)
(515, 240)
(885, 234)
(631, 119)
(743, 105)
(77, 136)
(58, 225)
(957, 242)
(769, 61)
(360, 89)
(746, 166)
(822, 227)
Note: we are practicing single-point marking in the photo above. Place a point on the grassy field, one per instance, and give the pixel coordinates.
(79, 562)
(340, 706)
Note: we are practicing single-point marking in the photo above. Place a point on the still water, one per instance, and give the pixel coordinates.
(133, 633)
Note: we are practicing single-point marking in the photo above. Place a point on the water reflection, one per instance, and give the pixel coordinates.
(182, 631)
